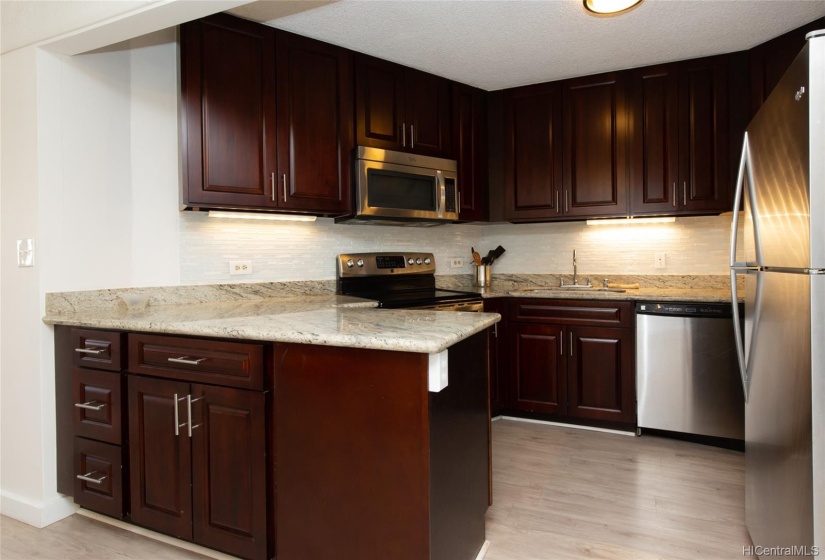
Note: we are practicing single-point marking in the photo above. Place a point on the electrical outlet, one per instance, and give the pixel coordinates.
(25, 252)
(240, 267)
(660, 260)
(456, 262)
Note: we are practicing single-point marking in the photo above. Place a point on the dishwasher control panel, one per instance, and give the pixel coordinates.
(721, 310)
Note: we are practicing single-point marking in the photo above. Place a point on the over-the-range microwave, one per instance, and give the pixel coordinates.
(398, 188)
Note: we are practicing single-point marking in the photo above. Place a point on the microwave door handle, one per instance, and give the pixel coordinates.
(442, 193)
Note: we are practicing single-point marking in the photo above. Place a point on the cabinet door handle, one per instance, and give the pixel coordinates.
(90, 405)
(571, 344)
(272, 181)
(92, 351)
(674, 194)
(558, 209)
(684, 188)
(458, 206)
(186, 360)
(178, 425)
(283, 180)
(561, 346)
(404, 135)
(189, 401)
(412, 137)
(89, 478)
(565, 200)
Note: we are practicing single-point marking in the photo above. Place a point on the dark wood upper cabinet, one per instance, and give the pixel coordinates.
(398, 108)
(704, 157)
(595, 138)
(469, 136)
(679, 136)
(533, 152)
(654, 139)
(228, 129)
(268, 119)
(315, 124)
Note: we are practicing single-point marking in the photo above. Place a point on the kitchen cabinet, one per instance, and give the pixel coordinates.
(398, 108)
(532, 148)
(572, 359)
(498, 356)
(267, 119)
(198, 452)
(90, 400)
(679, 136)
(469, 134)
(595, 142)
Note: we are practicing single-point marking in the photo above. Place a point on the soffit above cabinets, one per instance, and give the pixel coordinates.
(496, 44)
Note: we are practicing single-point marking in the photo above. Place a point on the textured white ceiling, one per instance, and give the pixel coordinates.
(494, 44)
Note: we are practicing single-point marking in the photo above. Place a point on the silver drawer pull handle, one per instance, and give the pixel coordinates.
(91, 405)
(91, 351)
(88, 478)
(186, 360)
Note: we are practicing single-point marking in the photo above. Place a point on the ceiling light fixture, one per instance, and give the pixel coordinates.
(609, 7)
(628, 221)
(256, 216)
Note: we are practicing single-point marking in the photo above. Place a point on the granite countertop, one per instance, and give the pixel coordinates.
(313, 318)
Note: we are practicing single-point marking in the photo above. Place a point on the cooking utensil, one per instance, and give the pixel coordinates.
(497, 252)
(476, 256)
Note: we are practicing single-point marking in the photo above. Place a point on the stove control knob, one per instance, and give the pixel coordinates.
(427, 260)
(410, 261)
(350, 263)
(417, 261)
(360, 263)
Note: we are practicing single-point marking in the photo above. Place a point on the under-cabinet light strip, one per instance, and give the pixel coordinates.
(257, 216)
(625, 221)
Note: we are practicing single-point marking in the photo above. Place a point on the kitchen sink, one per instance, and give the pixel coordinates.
(568, 288)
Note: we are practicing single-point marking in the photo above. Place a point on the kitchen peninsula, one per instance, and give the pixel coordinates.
(227, 415)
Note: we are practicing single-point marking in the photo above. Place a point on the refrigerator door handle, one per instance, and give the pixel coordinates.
(737, 332)
(737, 202)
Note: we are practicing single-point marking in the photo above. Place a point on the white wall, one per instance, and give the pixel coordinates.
(90, 170)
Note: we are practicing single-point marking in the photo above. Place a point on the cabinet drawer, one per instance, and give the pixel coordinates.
(231, 364)
(98, 483)
(97, 349)
(98, 405)
(573, 312)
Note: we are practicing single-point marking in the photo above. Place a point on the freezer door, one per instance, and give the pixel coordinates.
(778, 142)
(818, 404)
(778, 439)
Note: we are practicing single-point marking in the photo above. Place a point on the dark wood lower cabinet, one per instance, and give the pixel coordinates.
(198, 459)
(563, 364)
(600, 374)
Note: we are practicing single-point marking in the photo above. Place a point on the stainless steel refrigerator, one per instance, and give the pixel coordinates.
(778, 245)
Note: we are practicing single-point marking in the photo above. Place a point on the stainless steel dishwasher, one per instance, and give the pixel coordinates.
(686, 371)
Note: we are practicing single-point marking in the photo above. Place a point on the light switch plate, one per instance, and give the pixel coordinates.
(25, 252)
(660, 260)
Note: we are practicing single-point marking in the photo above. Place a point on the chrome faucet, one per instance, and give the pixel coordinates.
(576, 273)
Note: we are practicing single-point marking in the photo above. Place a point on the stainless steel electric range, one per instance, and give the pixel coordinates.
(400, 280)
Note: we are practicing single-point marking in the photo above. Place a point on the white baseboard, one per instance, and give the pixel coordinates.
(36, 515)
(483, 552)
(562, 425)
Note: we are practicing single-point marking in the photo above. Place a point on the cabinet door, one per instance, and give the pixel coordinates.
(498, 357)
(315, 125)
(228, 92)
(379, 103)
(601, 377)
(229, 470)
(427, 104)
(654, 140)
(160, 459)
(703, 136)
(470, 149)
(533, 152)
(595, 138)
(538, 359)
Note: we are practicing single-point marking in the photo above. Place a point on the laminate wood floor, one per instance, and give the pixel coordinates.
(560, 493)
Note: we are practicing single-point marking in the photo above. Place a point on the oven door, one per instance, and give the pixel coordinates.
(390, 190)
